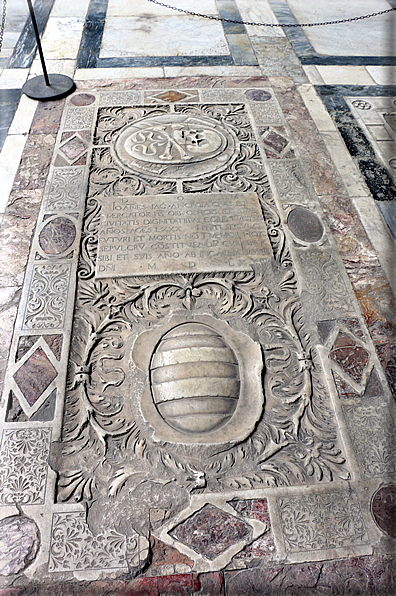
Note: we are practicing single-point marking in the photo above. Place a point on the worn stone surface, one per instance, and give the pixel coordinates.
(134, 481)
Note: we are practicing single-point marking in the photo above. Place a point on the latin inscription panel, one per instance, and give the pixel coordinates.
(181, 233)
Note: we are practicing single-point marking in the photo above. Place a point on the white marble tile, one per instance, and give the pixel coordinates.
(216, 71)
(345, 75)
(117, 8)
(379, 132)
(75, 8)
(65, 67)
(379, 236)
(313, 74)
(10, 157)
(13, 78)
(96, 74)
(370, 37)
(316, 108)
(62, 38)
(23, 116)
(346, 167)
(383, 75)
(165, 36)
(259, 12)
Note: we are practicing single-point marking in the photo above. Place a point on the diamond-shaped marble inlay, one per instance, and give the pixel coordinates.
(35, 375)
(276, 145)
(349, 356)
(73, 148)
(171, 96)
(210, 531)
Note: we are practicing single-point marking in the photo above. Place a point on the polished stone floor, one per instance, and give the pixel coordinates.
(197, 290)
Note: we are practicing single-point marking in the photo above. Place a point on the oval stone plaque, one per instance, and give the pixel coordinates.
(57, 236)
(175, 145)
(305, 225)
(194, 378)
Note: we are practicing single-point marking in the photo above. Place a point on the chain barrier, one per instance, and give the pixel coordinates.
(214, 18)
(2, 24)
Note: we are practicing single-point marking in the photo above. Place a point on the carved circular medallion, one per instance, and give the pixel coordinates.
(175, 146)
(194, 378)
(383, 507)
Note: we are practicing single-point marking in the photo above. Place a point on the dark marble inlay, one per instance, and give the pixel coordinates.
(374, 386)
(229, 10)
(349, 356)
(34, 376)
(210, 531)
(25, 49)
(9, 99)
(258, 94)
(383, 508)
(57, 236)
(147, 61)
(388, 212)
(376, 177)
(305, 225)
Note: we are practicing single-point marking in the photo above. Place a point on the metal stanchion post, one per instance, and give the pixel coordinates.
(45, 86)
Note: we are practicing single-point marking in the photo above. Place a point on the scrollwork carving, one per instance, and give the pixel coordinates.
(294, 442)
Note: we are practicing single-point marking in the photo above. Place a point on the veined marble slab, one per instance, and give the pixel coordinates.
(77, 8)
(145, 8)
(62, 37)
(165, 36)
(369, 37)
(259, 12)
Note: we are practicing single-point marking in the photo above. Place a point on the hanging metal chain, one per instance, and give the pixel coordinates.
(213, 18)
(2, 25)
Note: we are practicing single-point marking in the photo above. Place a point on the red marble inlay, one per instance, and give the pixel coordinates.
(55, 343)
(383, 508)
(256, 509)
(73, 148)
(35, 375)
(210, 531)
(349, 356)
(57, 236)
(82, 99)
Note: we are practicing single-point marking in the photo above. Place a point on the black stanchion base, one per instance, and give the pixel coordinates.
(60, 86)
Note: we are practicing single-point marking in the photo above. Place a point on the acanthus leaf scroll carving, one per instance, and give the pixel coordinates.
(294, 442)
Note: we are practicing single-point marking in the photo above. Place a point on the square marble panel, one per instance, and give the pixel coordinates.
(162, 36)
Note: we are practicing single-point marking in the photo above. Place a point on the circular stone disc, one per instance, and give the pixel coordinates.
(305, 225)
